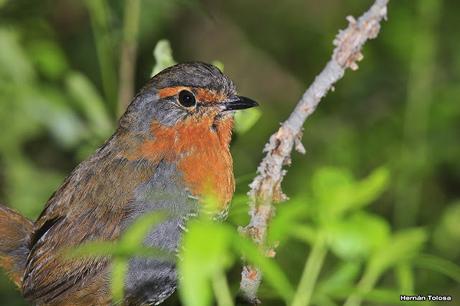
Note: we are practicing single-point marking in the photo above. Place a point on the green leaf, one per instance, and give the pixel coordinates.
(446, 236)
(369, 189)
(336, 192)
(163, 56)
(328, 181)
(439, 264)
(136, 233)
(219, 65)
(287, 217)
(331, 189)
(93, 249)
(48, 57)
(14, 63)
(342, 276)
(130, 244)
(49, 107)
(22, 175)
(202, 259)
(403, 246)
(358, 236)
(246, 119)
(90, 103)
(303, 233)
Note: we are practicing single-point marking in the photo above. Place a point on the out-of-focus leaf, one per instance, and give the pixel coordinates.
(136, 233)
(202, 259)
(48, 57)
(90, 103)
(93, 249)
(130, 244)
(336, 191)
(15, 117)
(446, 236)
(115, 249)
(304, 233)
(358, 236)
(370, 188)
(14, 64)
(332, 189)
(219, 65)
(163, 56)
(246, 119)
(403, 246)
(288, 219)
(50, 108)
(440, 265)
(342, 276)
(329, 180)
(37, 107)
(209, 204)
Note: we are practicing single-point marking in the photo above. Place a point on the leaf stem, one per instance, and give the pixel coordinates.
(365, 285)
(119, 269)
(221, 289)
(310, 273)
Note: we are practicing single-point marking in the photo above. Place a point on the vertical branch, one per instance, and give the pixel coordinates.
(99, 14)
(266, 187)
(414, 153)
(126, 77)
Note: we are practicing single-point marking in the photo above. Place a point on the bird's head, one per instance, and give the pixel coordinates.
(190, 93)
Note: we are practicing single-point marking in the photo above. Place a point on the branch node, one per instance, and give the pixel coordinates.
(298, 145)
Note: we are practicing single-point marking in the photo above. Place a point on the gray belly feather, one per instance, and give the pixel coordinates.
(150, 281)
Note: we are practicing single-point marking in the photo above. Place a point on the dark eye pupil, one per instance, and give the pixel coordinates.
(186, 98)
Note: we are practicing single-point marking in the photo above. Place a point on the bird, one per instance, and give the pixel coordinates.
(170, 149)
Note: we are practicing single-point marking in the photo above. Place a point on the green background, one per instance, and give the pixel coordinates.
(399, 112)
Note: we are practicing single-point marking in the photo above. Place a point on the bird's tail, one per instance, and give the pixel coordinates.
(15, 231)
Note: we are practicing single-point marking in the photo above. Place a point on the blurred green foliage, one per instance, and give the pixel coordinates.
(58, 93)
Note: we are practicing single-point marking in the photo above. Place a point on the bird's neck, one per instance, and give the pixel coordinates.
(200, 151)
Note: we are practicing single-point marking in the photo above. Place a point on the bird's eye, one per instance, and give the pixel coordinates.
(186, 98)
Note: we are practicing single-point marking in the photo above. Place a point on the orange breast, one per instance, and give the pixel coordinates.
(201, 154)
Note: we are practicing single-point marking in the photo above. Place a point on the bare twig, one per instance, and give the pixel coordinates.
(128, 54)
(266, 187)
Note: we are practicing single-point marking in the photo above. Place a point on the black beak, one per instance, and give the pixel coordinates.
(239, 103)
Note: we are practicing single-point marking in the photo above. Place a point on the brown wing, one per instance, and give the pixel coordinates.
(15, 231)
(90, 206)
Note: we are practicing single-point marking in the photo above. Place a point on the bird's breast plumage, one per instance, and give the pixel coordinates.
(200, 152)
